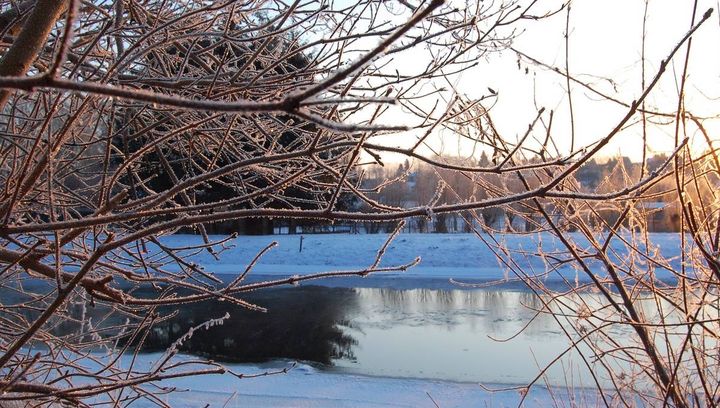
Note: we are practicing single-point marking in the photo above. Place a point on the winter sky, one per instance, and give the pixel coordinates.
(605, 52)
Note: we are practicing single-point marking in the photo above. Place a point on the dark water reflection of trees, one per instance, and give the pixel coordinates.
(304, 323)
(301, 323)
(310, 322)
(317, 323)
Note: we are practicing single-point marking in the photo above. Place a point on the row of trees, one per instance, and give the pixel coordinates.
(408, 186)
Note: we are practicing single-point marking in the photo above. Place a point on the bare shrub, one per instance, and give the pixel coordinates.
(639, 309)
(126, 121)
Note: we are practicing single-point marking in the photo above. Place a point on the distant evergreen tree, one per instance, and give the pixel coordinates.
(165, 166)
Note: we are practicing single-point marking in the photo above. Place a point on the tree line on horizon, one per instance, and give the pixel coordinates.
(407, 185)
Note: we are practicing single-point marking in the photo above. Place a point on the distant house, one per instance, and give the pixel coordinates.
(661, 216)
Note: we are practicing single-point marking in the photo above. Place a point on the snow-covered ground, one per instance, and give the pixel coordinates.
(304, 386)
(459, 256)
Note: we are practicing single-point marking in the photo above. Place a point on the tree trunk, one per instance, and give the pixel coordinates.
(30, 41)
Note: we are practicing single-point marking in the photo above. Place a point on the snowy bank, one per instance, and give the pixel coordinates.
(443, 256)
(304, 386)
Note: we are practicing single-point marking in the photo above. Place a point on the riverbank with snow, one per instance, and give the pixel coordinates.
(305, 386)
(442, 256)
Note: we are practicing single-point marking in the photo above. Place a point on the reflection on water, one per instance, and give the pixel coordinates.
(447, 334)
(300, 324)
(430, 333)
(427, 333)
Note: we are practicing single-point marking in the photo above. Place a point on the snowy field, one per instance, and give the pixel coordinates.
(304, 386)
(442, 256)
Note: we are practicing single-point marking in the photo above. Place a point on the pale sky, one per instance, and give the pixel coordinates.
(605, 42)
